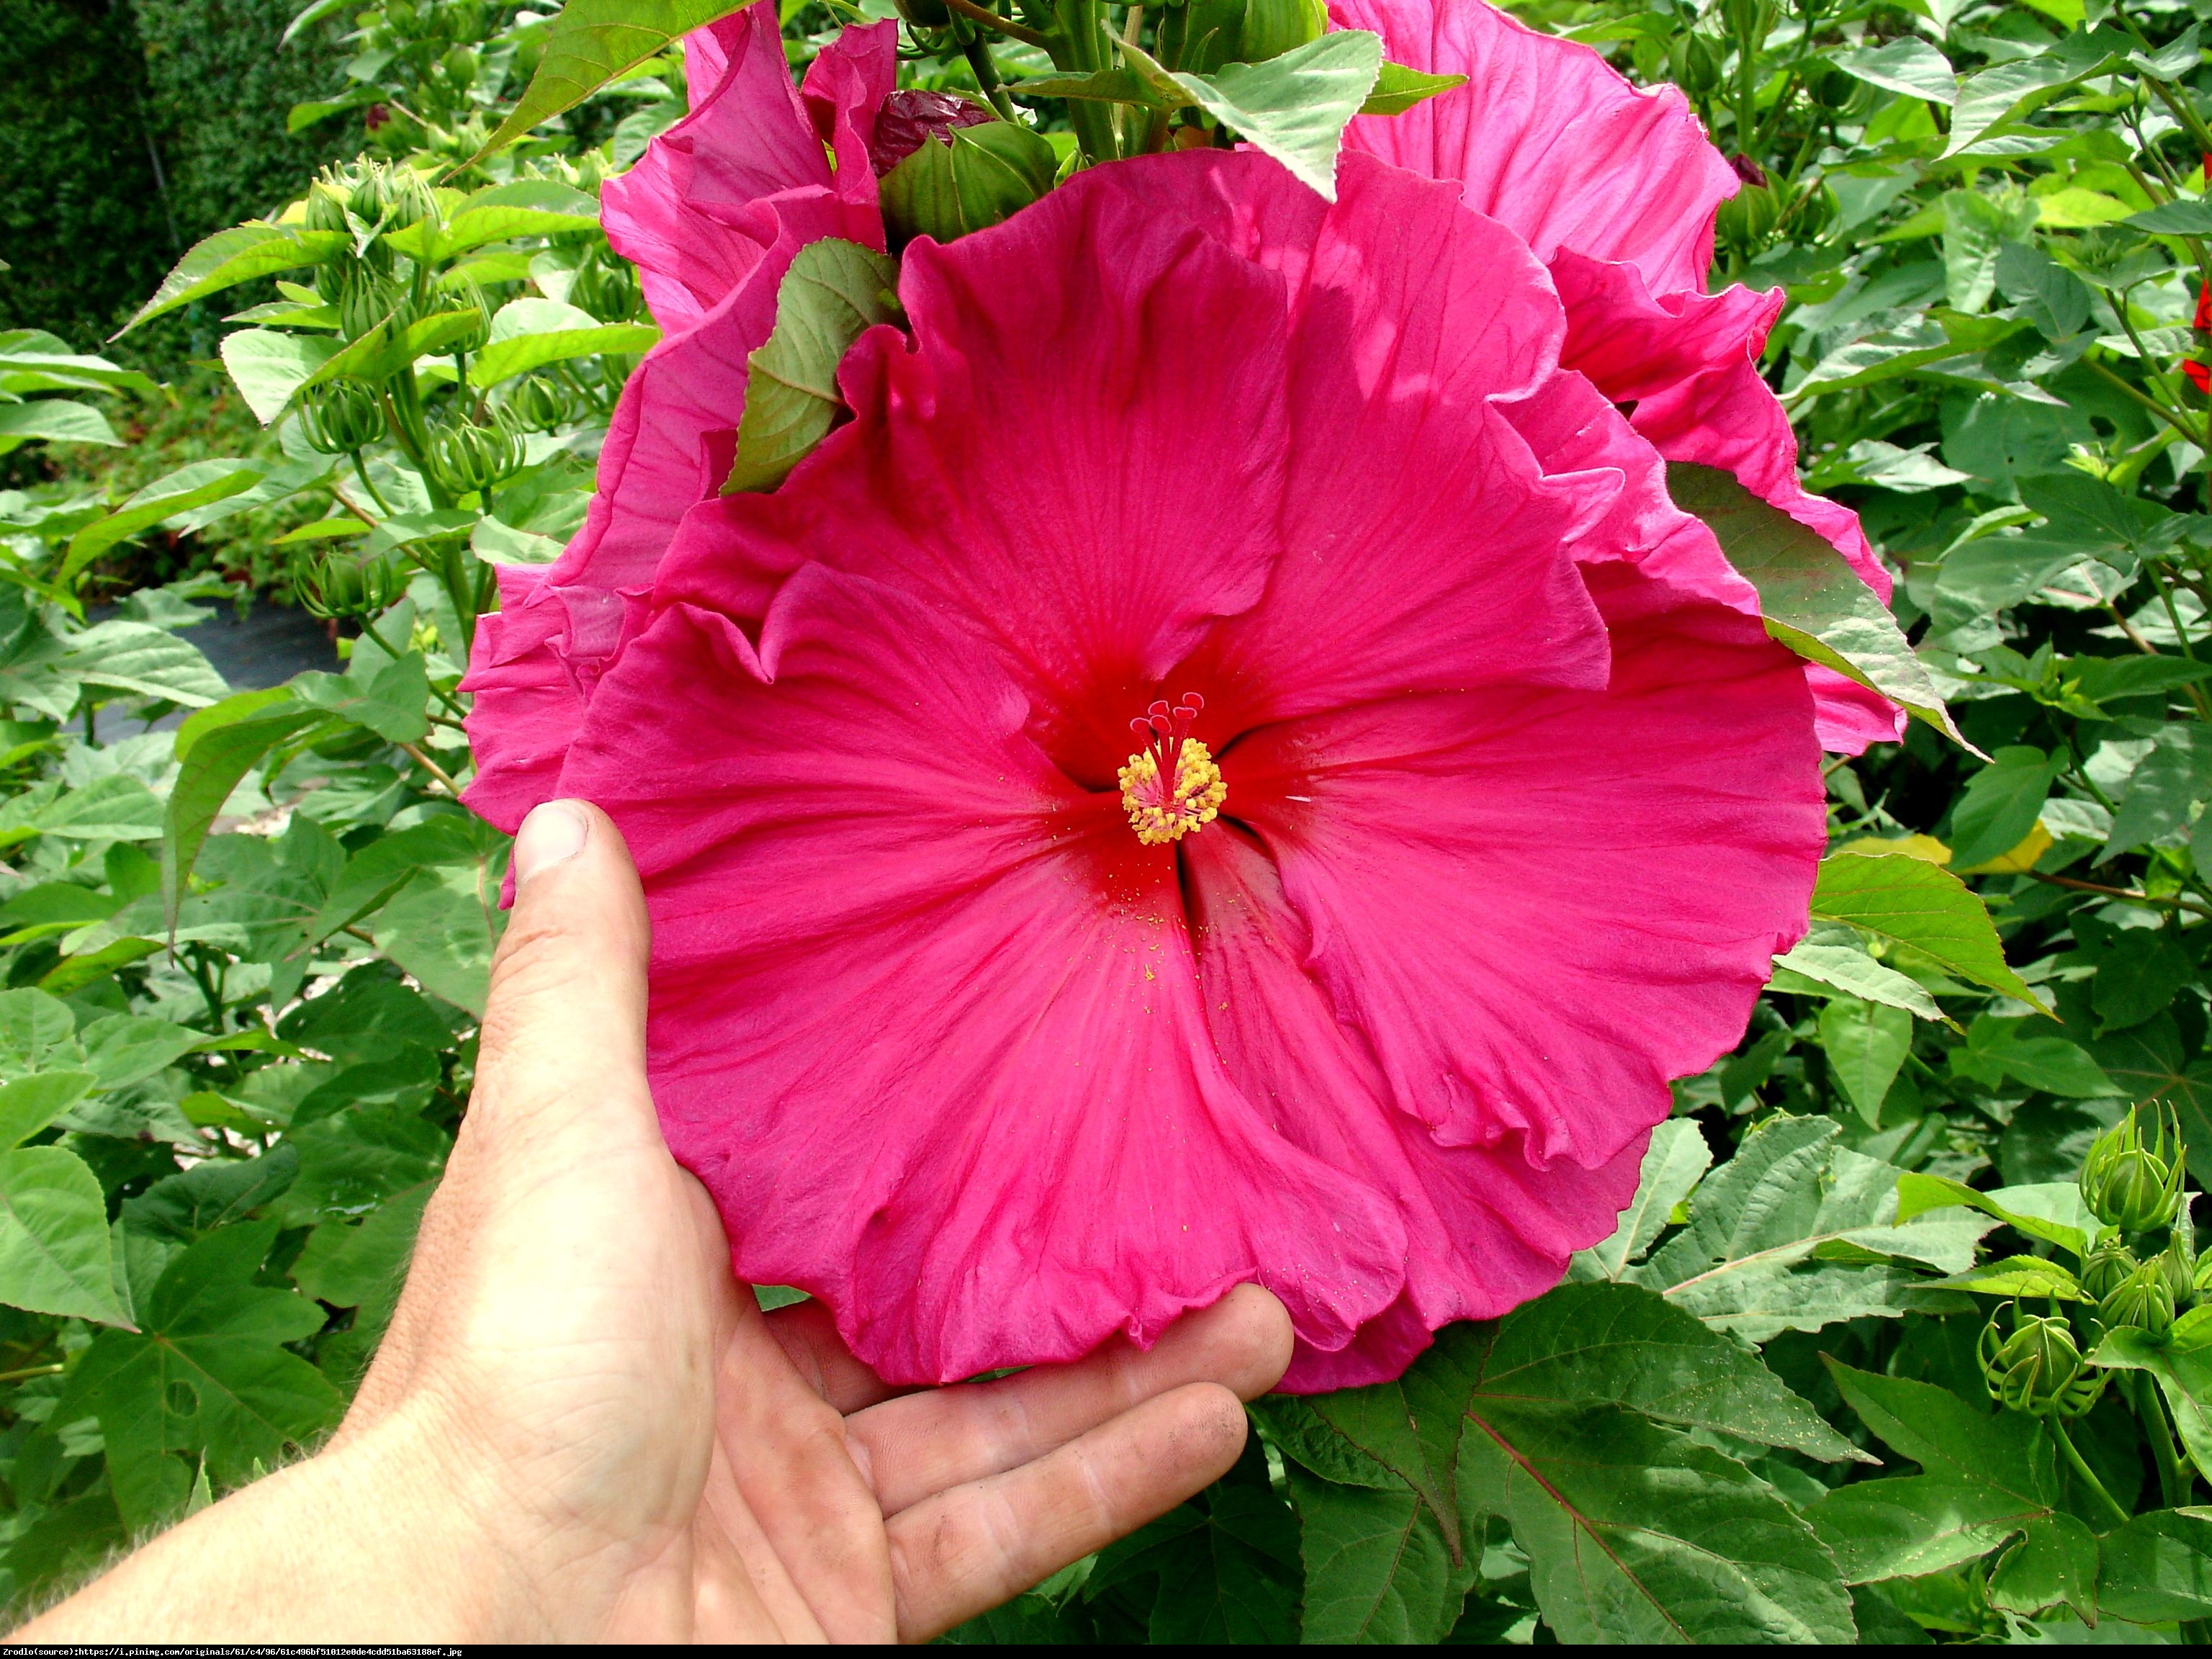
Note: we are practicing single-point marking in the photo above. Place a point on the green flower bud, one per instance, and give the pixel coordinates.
(2038, 1369)
(975, 178)
(1212, 33)
(367, 297)
(2132, 1184)
(340, 418)
(326, 207)
(1816, 213)
(1744, 22)
(1747, 218)
(606, 286)
(2142, 1301)
(460, 67)
(462, 294)
(537, 403)
(337, 585)
(2107, 1267)
(1701, 66)
(1831, 88)
(2177, 1262)
(408, 197)
(1273, 27)
(466, 458)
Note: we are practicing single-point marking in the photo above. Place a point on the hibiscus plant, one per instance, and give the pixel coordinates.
(1539, 679)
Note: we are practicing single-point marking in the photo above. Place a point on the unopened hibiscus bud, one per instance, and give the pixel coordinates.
(2038, 1369)
(2177, 1262)
(340, 418)
(1701, 69)
(326, 207)
(367, 297)
(2131, 1183)
(606, 286)
(1273, 27)
(908, 117)
(408, 198)
(1829, 87)
(971, 178)
(337, 587)
(467, 459)
(2107, 1267)
(537, 403)
(460, 67)
(1748, 170)
(1747, 218)
(462, 294)
(2144, 1300)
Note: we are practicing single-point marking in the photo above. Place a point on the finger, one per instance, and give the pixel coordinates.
(924, 1443)
(808, 1333)
(969, 1549)
(563, 1040)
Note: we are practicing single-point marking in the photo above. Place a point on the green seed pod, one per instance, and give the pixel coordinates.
(2038, 1369)
(606, 286)
(337, 585)
(2131, 1183)
(1701, 67)
(460, 67)
(326, 206)
(340, 418)
(1273, 27)
(2107, 1267)
(1816, 213)
(1831, 88)
(466, 458)
(366, 298)
(537, 403)
(408, 197)
(978, 177)
(2142, 1301)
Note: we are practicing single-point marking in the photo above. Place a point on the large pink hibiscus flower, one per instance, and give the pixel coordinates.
(1615, 190)
(1453, 826)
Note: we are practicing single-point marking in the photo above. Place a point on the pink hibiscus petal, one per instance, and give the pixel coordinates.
(900, 964)
(1488, 876)
(1484, 1231)
(1549, 138)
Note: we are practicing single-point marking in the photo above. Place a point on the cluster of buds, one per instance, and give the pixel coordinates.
(2133, 1184)
(2038, 1368)
(368, 197)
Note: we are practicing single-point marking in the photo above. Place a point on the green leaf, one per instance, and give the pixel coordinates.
(267, 367)
(977, 178)
(1293, 107)
(1984, 1478)
(2052, 1212)
(2149, 1065)
(216, 748)
(525, 207)
(1911, 903)
(2158, 1568)
(37, 1031)
(1866, 1044)
(1998, 1048)
(1812, 601)
(1398, 89)
(32, 360)
(55, 1254)
(528, 333)
(2161, 789)
(390, 699)
(208, 1376)
(1378, 1565)
(1911, 66)
(2183, 1365)
(188, 487)
(2002, 804)
(383, 351)
(126, 1049)
(231, 257)
(1834, 957)
(117, 807)
(589, 44)
(1223, 1567)
(56, 420)
(2187, 216)
(2020, 1276)
(2054, 1561)
(212, 1193)
(443, 928)
(1676, 1159)
(353, 1264)
(833, 291)
(30, 1104)
(1745, 1262)
(150, 661)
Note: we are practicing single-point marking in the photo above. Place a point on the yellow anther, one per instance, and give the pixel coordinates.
(1189, 802)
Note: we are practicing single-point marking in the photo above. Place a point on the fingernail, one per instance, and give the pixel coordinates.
(553, 834)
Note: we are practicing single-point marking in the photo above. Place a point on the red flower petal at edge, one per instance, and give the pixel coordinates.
(1616, 189)
(1512, 826)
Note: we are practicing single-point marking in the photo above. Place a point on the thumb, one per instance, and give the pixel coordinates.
(563, 1034)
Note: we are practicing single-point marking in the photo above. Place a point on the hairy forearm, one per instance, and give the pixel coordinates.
(366, 1541)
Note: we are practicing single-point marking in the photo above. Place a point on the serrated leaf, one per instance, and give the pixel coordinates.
(1834, 958)
(214, 1193)
(389, 698)
(126, 1049)
(832, 293)
(1911, 903)
(2002, 804)
(1911, 66)
(267, 367)
(216, 748)
(529, 333)
(1985, 1477)
(2021, 1276)
(1377, 1564)
(1398, 89)
(2183, 1365)
(30, 1104)
(2054, 1561)
(1866, 1044)
(1811, 600)
(2157, 1568)
(53, 420)
(188, 487)
(149, 661)
(1294, 106)
(589, 44)
(207, 1376)
(234, 256)
(523, 207)
(55, 1253)
(1672, 1163)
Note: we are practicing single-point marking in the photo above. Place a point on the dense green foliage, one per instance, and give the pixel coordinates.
(1899, 1339)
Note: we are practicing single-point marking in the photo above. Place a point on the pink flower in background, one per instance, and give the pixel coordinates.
(1459, 818)
(1615, 190)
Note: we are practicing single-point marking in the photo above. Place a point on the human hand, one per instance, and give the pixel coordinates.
(581, 1426)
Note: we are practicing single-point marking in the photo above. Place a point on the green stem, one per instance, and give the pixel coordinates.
(2088, 1475)
(976, 13)
(2173, 1480)
(987, 75)
(360, 471)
